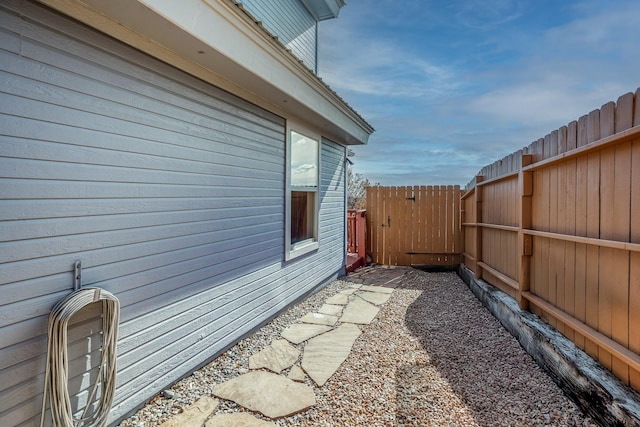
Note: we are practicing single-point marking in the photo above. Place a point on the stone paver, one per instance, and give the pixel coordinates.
(276, 357)
(324, 354)
(339, 299)
(359, 311)
(241, 419)
(195, 415)
(380, 289)
(331, 309)
(296, 374)
(374, 297)
(270, 394)
(319, 319)
(388, 277)
(299, 332)
(277, 396)
(327, 347)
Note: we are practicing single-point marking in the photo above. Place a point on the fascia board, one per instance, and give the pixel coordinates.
(215, 41)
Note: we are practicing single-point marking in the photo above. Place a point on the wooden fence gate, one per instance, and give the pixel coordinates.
(417, 225)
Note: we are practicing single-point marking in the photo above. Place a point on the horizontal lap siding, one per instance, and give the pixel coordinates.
(332, 204)
(170, 191)
(291, 22)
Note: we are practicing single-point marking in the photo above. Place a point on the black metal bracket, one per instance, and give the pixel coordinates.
(77, 275)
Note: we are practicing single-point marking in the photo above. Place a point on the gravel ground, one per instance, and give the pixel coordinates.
(434, 356)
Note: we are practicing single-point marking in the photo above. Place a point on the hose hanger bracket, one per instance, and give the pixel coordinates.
(77, 275)
(56, 378)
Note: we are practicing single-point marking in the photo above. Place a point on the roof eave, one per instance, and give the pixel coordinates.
(324, 9)
(213, 40)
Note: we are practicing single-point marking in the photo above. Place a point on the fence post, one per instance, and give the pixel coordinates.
(478, 221)
(372, 231)
(525, 187)
(361, 233)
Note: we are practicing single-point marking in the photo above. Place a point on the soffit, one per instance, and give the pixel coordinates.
(324, 9)
(215, 41)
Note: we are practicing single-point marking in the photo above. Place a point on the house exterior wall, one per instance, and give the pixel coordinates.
(214, 41)
(292, 23)
(169, 190)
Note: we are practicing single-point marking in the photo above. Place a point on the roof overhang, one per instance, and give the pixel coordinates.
(324, 9)
(214, 41)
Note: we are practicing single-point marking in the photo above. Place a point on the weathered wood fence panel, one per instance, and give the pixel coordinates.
(356, 239)
(417, 225)
(557, 226)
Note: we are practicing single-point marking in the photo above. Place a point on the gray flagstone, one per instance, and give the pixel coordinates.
(241, 419)
(340, 299)
(195, 415)
(324, 354)
(374, 297)
(331, 309)
(276, 357)
(270, 394)
(319, 319)
(299, 332)
(380, 289)
(359, 311)
(296, 373)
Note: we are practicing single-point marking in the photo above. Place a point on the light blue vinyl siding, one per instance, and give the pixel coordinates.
(291, 22)
(169, 190)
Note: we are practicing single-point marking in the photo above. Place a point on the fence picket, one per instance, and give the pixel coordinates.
(406, 228)
(420, 225)
(608, 270)
(554, 225)
(634, 260)
(582, 272)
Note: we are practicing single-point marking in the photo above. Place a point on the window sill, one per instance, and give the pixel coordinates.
(301, 248)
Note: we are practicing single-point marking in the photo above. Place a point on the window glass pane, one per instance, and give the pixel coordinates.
(304, 161)
(302, 215)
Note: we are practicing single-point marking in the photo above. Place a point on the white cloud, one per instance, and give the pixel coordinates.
(575, 68)
(488, 14)
(382, 69)
(379, 66)
(507, 80)
(541, 103)
(304, 175)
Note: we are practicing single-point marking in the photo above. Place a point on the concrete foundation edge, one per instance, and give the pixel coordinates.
(593, 388)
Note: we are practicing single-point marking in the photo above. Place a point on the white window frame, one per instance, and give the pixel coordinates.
(298, 249)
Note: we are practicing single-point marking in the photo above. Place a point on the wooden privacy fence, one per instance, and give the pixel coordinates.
(557, 226)
(356, 239)
(414, 225)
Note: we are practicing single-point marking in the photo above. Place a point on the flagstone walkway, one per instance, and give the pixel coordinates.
(329, 334)
(431, 356)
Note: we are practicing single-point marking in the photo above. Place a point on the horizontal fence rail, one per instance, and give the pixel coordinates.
(556, 225)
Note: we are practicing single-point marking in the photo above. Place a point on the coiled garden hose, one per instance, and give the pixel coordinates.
(57, 364)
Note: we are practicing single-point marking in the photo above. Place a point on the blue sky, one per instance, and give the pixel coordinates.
(451, 86)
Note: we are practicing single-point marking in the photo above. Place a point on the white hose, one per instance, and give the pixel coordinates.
(57, 369)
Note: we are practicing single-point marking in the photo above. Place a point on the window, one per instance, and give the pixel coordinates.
(302, 194)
